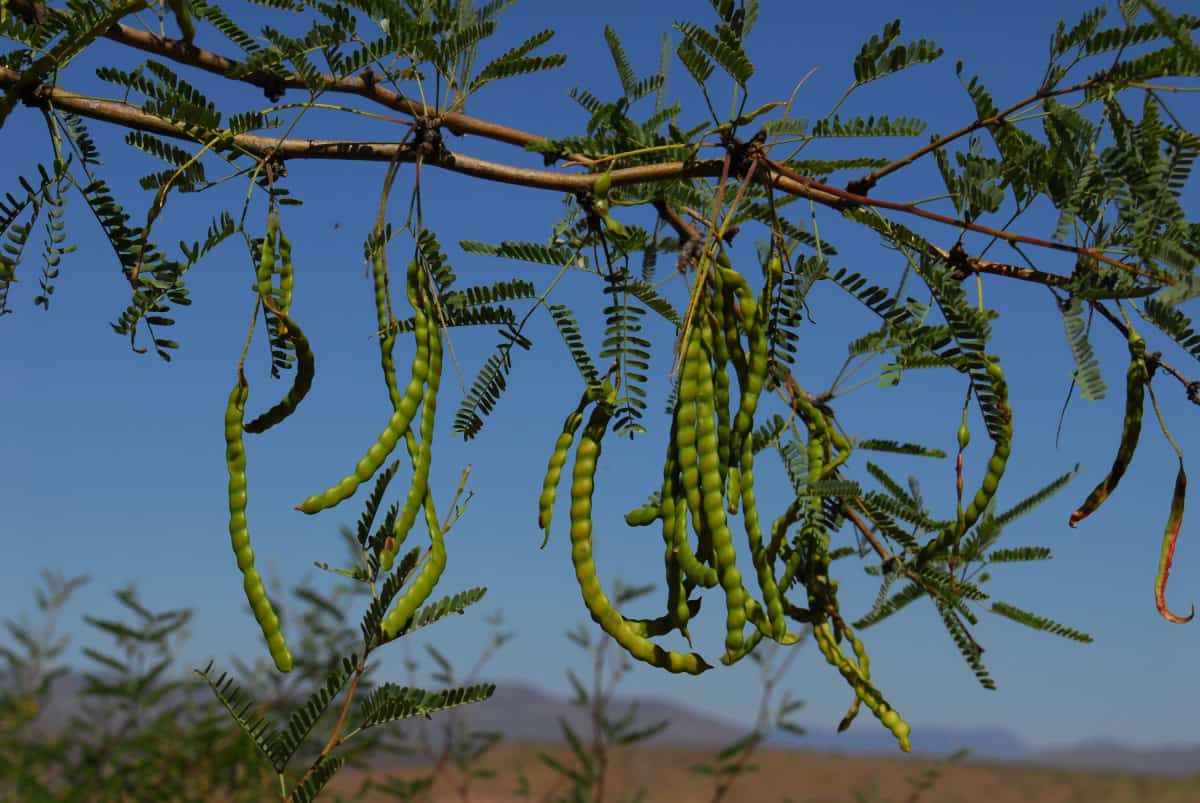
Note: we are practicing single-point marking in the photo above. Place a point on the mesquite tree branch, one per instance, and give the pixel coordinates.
(774, 175)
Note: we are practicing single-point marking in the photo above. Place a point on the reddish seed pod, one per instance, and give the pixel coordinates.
(1135, 390)
(1167, 557)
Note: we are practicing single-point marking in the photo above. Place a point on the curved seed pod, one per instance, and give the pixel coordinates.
(755, 378)
(862, 687)
(762, 629)
(398, 423)
(412, 599)
(651, 628)
(239, 531)
(694, 570)
(756, 359)
(679, 607)
(1167, 556)
(814, 419)
(1135, 390)
(419, 485)
(558, 458)
(301, 382)
(763, 564)
(675, 528)
(419, 494)
(673, 513)
(601, 609)
(864, 668)
(714, 508)
(1001, 449)
(780, 527)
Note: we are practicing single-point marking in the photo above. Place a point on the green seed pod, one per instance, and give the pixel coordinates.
(383, 321)
(406, 606)
(713, 504)
(694, 570)
(863, 689)
(582, 484)
(397, 425)
(652, 628)
(754, 377)
(287, 274)
(673, 513)
(419, 486)
(239, 533)
(301, 382)
(964, 435)
(721, 384)
(1136, 379)
(997, 463)
(268, 256)
(558, 458)
(685, 430)
(419, 496)
(763, 563)
(613, 225)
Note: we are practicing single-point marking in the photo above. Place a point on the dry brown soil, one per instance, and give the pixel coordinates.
(801, 777)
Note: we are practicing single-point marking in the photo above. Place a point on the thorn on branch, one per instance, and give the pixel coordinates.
(957, 259)
(276, 168)
(861, 186)
(690, 252)
(274, 86)
(32, 96)
(427, 138)
(1153, 361)
(35, 14)
(743, 154)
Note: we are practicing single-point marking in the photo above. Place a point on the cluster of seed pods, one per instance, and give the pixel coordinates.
(1137, 379)
(708, 480)
(274, 285)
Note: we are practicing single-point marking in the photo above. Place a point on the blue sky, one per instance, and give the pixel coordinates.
(113, 462)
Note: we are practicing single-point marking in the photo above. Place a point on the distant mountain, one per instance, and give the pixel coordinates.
(866, 737)
(525, 713)
(1167, 760)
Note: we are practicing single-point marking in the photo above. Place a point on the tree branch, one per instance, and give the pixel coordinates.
(364, 86)
(775, 175)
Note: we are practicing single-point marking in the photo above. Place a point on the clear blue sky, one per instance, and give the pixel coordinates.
(113, 462)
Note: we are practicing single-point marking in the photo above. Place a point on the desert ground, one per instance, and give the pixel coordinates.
(796, 776)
